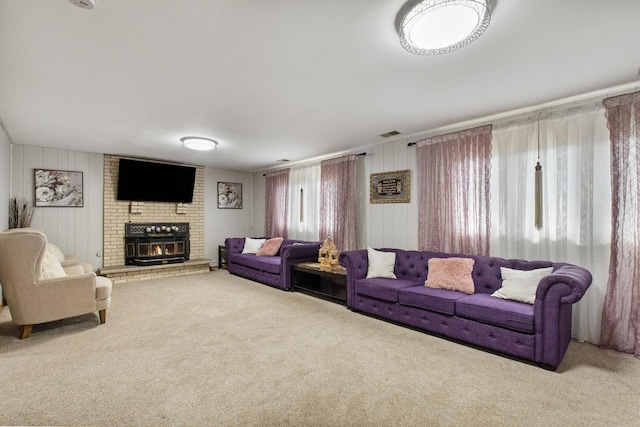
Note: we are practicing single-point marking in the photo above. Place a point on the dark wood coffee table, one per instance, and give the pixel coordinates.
(310, 279)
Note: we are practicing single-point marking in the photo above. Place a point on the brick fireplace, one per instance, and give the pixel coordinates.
(117, 214)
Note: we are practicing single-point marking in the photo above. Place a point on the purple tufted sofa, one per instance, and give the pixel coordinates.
(275, 270)
(540, 332)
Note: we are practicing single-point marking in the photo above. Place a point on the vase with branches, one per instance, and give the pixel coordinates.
(20, 213)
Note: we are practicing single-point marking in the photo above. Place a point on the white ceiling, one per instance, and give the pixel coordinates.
(281, 79)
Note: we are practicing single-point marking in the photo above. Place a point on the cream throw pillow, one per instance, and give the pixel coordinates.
(51, 268)
(520, 285)
(453, 274)
(381, 264)
(55, 251)
(251, 246)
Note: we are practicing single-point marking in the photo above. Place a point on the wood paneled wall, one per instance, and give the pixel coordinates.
(75, 230)
(388, 225)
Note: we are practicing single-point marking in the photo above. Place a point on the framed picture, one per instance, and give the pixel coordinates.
(390, 187)
(54, 188)
(229, 195)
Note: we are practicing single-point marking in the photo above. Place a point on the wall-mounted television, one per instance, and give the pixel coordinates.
(144, 181)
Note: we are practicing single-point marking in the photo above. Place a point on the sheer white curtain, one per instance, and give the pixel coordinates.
(304, 202)
(574, 154)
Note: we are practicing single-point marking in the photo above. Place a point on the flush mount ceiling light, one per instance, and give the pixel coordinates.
(198, 143)
(433, 27)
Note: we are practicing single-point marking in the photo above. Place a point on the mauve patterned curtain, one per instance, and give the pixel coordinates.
(453, 192)
(621, 313)
(338, 201)
(276, 203)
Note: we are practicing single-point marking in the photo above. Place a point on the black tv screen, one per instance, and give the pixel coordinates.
(155, 182)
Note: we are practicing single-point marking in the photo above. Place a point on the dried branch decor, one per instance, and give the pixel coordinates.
(20, 213)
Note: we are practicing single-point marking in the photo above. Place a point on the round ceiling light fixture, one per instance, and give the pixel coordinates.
(198, 143)
(434, 27)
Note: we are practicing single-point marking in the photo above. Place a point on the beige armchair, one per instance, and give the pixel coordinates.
(39, 290)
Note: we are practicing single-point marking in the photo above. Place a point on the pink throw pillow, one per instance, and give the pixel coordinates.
(453, 274)
(270, 247)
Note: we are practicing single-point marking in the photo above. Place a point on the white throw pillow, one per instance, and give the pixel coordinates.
(520, 285)
(51, 268)
(251, 246)
(381, 264)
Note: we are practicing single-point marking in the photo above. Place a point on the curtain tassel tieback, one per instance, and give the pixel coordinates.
(538, 194)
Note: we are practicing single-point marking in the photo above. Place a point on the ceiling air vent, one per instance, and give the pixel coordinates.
(388, 134)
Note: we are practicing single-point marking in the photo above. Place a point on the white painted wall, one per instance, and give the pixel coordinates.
(257, 220)
(5, 183)
(5, 179)
(222, 223)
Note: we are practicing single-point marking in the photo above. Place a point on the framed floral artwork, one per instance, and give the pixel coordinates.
(229, 195)
(55, 188)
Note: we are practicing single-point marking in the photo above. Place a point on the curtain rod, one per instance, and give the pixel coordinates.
(547, 107)
(364, 153)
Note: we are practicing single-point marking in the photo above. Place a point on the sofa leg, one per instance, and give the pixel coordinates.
(25, 331)
(103, 315)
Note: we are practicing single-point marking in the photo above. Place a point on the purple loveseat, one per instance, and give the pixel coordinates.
(540, 332)
(274, 270)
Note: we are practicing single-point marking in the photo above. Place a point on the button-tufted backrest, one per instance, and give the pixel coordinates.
(486, 271)
(410, 265)
(235, 245)
(414, 266)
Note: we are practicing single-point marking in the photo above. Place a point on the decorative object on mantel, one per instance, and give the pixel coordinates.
(538, 184)
(135, 207)
(328, 255)
(20, 213)
(229, 195)
(181, 208)
(56, 188)
(390, 187)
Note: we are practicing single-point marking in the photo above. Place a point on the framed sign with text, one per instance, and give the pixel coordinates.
(390, 187)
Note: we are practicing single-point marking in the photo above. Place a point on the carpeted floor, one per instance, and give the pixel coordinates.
(215, 349)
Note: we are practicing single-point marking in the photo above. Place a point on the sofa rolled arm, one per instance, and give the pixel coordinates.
(293, 254)
(357, 264)
(304, 250)
(575, 278)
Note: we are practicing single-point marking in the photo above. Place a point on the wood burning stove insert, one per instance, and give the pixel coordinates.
(156, 244)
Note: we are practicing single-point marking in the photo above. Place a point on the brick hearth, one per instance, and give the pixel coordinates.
(133, 273)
